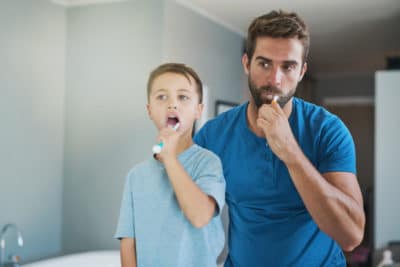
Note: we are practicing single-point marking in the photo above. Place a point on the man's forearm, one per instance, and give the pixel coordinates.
(334, 200)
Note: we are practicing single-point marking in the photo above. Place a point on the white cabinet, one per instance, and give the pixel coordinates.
(387, 157)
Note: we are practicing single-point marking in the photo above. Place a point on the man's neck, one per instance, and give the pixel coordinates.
(252, 115)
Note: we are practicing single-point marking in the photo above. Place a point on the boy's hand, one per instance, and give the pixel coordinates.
(170, 138)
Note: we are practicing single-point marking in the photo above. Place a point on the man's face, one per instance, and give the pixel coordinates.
(275, 69)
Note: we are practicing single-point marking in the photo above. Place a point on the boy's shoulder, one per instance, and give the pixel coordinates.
(145, 166)
(204, 154)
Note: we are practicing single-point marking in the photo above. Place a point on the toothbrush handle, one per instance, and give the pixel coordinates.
(157, 148)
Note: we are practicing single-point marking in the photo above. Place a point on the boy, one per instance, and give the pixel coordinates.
(171, 203)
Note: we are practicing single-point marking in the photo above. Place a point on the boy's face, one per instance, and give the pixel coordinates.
(174, 99)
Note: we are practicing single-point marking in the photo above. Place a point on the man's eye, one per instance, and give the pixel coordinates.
(289, 67)
(264, 65)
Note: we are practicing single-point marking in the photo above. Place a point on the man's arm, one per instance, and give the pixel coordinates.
(333, 199)
(128, 252)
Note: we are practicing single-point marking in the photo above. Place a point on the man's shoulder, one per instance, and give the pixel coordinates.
(313, 113)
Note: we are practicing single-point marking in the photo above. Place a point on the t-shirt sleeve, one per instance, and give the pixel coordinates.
(336, 149)
(211, 181)
(126, 227)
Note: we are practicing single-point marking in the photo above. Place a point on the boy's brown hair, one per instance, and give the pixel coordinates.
(177, 68)
(278, 24)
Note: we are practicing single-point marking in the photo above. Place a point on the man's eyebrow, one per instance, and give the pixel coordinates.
(286, 62)
(263, 58)
(291, 62)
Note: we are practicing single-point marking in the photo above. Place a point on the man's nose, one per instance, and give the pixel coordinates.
(275, 77)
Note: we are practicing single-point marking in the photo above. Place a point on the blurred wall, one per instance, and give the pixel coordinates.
(212, 50)
(111, 49)
(32, 81)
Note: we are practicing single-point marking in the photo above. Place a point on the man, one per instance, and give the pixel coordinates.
(289, 165)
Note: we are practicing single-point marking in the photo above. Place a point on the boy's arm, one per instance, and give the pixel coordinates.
(128, 252)
(197, 206)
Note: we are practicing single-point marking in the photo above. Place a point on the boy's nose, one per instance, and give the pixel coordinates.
(171, 106)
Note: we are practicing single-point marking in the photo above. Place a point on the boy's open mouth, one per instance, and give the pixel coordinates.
(172, 121)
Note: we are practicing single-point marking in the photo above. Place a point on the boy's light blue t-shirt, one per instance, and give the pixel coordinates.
(151, 214)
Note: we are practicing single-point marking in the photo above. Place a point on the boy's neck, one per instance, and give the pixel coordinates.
(185, 143)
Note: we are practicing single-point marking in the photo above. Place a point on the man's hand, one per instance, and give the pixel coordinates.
(273, 121)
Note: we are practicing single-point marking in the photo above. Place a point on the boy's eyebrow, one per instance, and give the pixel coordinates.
(159, 90)
(165, 90)
(268, 60)
(184, 90)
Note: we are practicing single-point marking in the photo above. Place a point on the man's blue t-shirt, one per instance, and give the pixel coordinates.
(151, 214)
(269, 223)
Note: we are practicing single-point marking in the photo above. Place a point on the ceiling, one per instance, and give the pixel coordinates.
(347, 36)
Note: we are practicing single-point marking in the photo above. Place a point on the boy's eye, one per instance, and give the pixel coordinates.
(183, 97)
(161, 97)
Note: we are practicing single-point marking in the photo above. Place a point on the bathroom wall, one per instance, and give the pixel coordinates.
(72, 109)
(110, 52)
(32, 75)
(214, 51)
(111, 49)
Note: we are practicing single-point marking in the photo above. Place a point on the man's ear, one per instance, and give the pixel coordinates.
(303, 71)
(245, 63)
(199, 111)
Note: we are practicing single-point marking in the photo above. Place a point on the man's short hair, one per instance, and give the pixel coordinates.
(278, 24)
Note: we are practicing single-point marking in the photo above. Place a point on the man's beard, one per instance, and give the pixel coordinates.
(259, 100)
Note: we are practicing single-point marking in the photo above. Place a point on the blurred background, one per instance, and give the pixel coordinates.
(73, 122)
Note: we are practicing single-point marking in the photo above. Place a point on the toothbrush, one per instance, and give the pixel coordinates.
(157, 148)
(274, 100)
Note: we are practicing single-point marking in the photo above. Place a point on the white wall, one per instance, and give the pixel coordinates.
(32, 60)
(110, 52)
(212, 50)
(111, 49)
(72, 109)
(387, 147)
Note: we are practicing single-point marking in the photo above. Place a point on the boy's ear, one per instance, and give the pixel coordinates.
(149, 111)
(199, 111)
